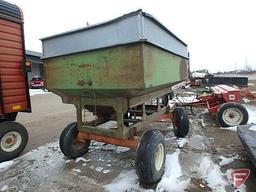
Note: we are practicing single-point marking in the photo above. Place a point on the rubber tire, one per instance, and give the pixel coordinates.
(145, 158)
(67, 141)
(7, 127)
(180, 122)
(166, 98)
(238, 106)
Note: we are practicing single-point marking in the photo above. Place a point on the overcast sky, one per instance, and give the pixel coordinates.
(220, 34)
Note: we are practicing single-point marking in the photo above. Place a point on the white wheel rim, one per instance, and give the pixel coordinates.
(232, 116)
(11, 141)
(159, 157)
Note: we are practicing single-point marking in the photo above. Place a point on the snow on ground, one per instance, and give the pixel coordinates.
(4, 188)
(170, 180)
(5, 165)
(181, 142)
(126, 181)
(253, 128)
(233, 128)
(33, 92)
(246, 100)
(252, 113)
(225, 160)
(212, 174)
(184, 99)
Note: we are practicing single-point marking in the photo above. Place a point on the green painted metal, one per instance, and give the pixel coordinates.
(160, 67)
(122, 71)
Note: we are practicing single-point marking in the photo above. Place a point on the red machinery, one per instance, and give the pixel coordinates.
(14, 93)
(224, 100)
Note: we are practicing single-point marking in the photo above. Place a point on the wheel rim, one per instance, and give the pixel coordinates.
(11, 141)
(159, 157)
(232, 116)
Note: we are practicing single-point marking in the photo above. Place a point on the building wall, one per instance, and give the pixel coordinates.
(37, 66)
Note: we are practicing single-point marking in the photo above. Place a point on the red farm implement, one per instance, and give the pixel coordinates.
(14, 92)
(224, 101)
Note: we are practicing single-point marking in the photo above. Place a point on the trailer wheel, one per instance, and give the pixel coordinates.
(232, 114)
(13, 140)
(180, 122)
(150, 158)
(69, 146)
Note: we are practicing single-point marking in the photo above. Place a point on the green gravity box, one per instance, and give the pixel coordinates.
(126, 57)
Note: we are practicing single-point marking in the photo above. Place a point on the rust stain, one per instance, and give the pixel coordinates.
(149, 62)
(184, 69)
(84, 82)
(86, 65)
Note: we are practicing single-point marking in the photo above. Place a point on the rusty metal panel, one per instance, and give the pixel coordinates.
(162, 67)
(115, 71)
(121, 71)
(130, 28)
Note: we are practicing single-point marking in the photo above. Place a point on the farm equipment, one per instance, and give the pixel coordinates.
(112, 70)
(247, 135)
(224, 101)
(14, 93)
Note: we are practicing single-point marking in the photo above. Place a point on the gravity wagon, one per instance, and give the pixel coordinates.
(115, 70)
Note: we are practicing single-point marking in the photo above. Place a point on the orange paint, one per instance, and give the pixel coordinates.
(82, 136)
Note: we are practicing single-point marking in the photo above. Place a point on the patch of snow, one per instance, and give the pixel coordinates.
(181, 142)
(33, 92)
(106, 171)
(91, 167)
(4, 188)
(5, 165)
(252, 114)
(104, 147)
(184, 99)
(109, 165)
(225, 160)
(170, 180)
(202, 123)
(80, 159)
(126, 181)
(253, 128)
(212, 174)
(246, 100)
(121, 149)
(68, 161)
(77, 170)
(84, 164)
(233, 128)
(99, 169)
